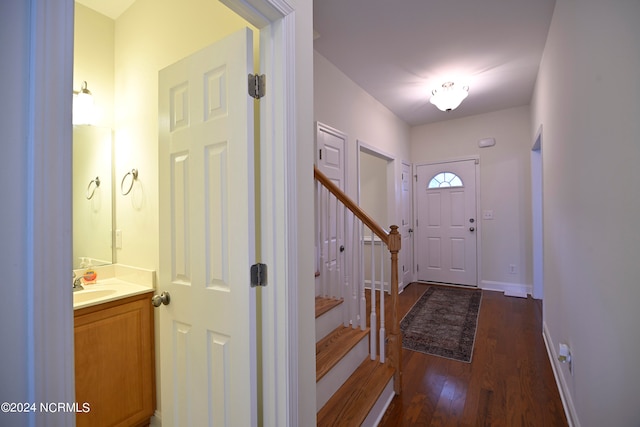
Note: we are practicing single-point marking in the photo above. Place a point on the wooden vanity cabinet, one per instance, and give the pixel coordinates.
(114, 362)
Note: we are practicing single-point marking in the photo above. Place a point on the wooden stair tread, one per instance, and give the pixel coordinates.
(332, 348)
(351, 404)
(325, 304)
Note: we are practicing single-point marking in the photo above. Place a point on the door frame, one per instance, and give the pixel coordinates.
(50, 374)
(363, 147)
(537, 223)
(476, 159)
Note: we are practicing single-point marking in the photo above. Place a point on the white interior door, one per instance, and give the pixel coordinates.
(206, 168)
(446, 222)
(331, 156)
(406, 228)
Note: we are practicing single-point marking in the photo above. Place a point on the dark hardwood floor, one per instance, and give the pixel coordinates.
(509, 381)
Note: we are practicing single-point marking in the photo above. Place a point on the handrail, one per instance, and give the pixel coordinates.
(392, 240)
(352, 206)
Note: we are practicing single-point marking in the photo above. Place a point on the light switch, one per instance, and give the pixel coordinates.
(487, 214)
(118, 239)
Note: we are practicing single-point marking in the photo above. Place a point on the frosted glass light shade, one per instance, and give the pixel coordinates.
(449, 96)
(83, 107)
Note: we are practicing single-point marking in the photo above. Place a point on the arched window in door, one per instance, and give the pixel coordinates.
(445, 179)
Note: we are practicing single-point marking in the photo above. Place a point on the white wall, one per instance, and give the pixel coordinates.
(343, 105)
(587, 100)
(504, 185)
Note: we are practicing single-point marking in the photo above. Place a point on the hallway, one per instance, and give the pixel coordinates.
(509, 381)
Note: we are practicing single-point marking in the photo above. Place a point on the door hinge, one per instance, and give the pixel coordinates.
(258, 275)
(416, 177)
(257, 85)
(417, 267)
(321, 154)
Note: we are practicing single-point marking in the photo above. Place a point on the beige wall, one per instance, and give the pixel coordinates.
(587, 100)
(504, 185)
(373, 187)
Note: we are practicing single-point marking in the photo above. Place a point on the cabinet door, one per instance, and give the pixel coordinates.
(114, 363)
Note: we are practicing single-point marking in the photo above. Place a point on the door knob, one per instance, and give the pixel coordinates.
(472, 229)
(341, 248)
(163, 298)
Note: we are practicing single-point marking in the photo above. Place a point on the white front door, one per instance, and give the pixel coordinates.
(406, 229)
(206, 166)
(446, 222)
(331, 156)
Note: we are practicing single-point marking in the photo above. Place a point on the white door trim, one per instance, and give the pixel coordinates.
(278, 210)
(537, 215)
(478, 204)
(49, 353)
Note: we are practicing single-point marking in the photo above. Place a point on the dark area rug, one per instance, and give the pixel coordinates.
(443, 322)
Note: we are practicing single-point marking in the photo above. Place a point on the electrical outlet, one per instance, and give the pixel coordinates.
(565, 356)
(513, 269)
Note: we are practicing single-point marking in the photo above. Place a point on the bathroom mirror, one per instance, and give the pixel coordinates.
(93, 198)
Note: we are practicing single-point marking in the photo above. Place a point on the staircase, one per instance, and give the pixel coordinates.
(357, 362)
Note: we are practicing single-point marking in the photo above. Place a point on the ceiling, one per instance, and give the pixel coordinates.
(399, 51)
(110, 8)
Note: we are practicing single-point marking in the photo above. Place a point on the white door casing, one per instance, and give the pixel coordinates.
(207, 226)
(406, 227)
(447, 225)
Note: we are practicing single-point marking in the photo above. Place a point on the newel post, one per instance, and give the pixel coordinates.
(395, 336)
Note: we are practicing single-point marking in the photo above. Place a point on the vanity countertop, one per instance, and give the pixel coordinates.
(114, 282)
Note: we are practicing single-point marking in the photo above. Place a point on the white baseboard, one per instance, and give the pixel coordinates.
(565, 396)
(156, 419)
(509, 289)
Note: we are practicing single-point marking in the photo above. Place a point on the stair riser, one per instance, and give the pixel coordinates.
(330, 320)
(334, 379)
(378, 410)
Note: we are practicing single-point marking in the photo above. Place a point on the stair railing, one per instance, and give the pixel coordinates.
(341, 262)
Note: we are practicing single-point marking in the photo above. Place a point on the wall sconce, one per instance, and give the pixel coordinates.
(83, 106)
(449, 97)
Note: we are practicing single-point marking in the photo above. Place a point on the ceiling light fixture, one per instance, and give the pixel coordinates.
(449, 97)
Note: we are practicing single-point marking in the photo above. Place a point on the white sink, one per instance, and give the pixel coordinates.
(81, 297)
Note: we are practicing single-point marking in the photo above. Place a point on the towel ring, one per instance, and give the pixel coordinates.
(134, 176)
(96, 184)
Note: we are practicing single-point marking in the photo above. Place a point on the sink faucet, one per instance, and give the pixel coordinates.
(77, 282)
